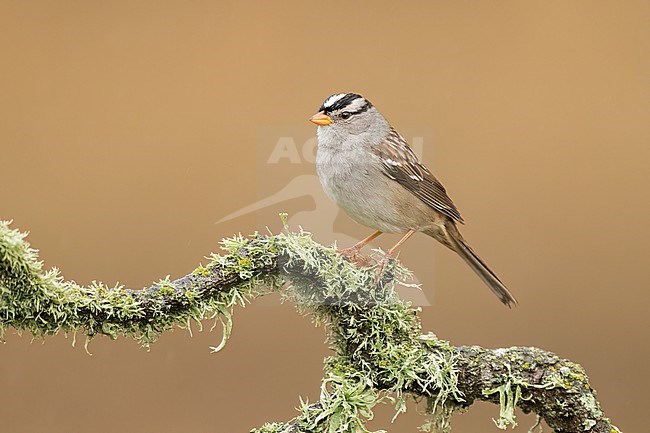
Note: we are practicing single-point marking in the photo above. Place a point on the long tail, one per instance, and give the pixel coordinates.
(459, 245)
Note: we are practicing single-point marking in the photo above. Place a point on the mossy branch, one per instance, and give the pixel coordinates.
(380, 353)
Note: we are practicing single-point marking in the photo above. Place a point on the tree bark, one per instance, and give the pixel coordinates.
(378, 345)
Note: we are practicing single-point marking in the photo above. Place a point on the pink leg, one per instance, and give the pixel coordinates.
(353, 253)
(363, 243)
(399, 243)
(389, 255)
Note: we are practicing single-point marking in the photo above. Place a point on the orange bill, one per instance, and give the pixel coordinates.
(321, 119)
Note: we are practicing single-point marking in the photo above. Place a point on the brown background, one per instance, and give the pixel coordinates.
(128, 128)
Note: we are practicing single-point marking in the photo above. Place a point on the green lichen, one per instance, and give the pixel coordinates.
(43, 303)
(347, 400)
(509, 395)
(379, 352)
(274, 427)
(375, 335)
(201, 271)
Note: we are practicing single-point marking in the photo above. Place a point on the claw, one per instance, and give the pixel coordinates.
(381, 266)
(354, 256)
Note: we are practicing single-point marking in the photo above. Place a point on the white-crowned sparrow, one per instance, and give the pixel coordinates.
(369, 171)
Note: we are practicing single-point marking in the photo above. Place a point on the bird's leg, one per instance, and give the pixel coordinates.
(365, 241)
(353, 253)
(382, 264)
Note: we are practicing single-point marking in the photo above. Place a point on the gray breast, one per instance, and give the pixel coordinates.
(353, 178)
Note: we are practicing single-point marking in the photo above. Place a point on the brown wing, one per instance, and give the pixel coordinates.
(403, 166)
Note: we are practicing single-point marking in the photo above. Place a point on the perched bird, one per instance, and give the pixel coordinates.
(368, 169)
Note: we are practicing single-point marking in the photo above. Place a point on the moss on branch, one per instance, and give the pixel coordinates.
(379, 351)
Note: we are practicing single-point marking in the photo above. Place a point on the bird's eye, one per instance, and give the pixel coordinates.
(346, 115)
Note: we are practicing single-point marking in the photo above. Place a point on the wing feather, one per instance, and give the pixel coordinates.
(403, 166)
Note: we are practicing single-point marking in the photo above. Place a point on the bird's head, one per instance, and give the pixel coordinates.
(348, 113)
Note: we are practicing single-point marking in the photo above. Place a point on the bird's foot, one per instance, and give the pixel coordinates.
(354, 256)
(380, 267)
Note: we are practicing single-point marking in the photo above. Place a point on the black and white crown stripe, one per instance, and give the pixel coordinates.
(353, 103)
